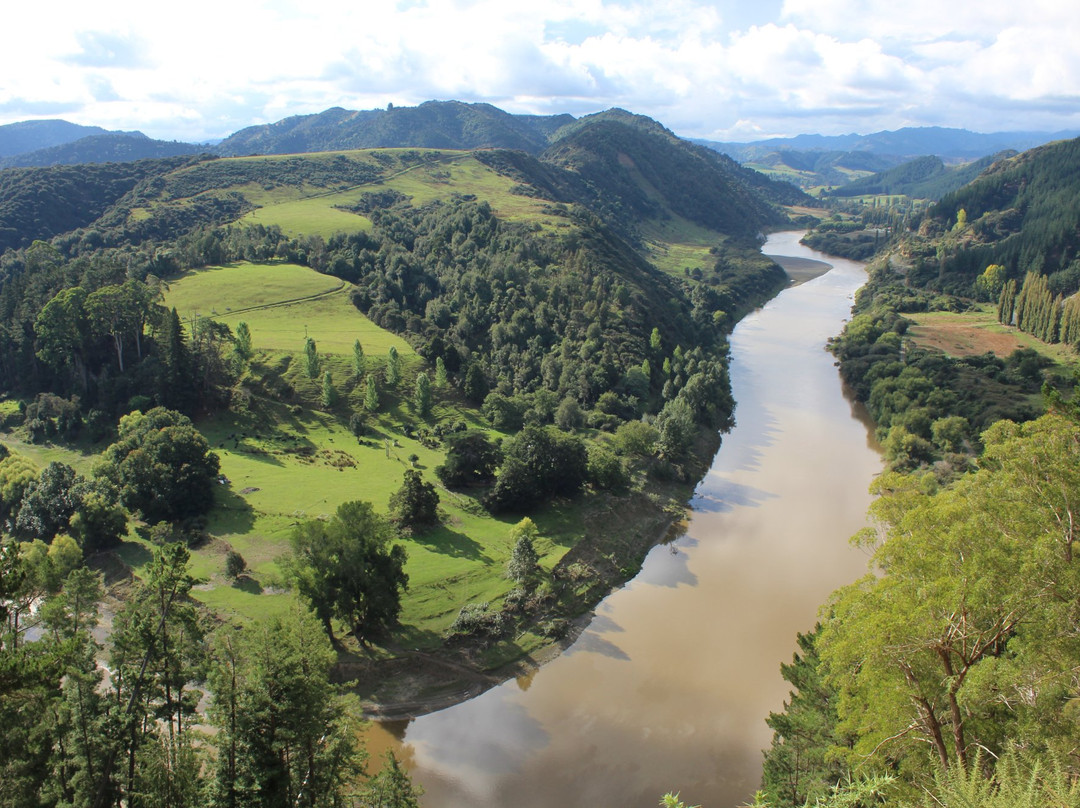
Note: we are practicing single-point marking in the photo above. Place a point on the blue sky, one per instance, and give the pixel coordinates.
(724, 70)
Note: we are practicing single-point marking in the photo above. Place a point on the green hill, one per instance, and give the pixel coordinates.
(922, 178)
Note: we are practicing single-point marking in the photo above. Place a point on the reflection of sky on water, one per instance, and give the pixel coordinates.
(464, 741)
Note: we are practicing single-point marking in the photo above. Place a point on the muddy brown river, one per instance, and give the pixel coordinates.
(669, 685)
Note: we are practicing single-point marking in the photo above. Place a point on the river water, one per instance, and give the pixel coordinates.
(669, 685)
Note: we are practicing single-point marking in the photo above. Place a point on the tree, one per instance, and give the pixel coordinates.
(17, 474)
(62, 329)
(416, 503)
(120, 312)
(538, 463)
(162, 466)
(371, 395)
(475, 386)
(797, 766)
(440, 373)
(422, 395)
(312, 363)
(329, 394)
(471, 459)
(523, 565)
(393, 367)
(286, 734)
(242, 348)
(391, 787)
(234, 564)
(358, 359)
(48, 503)
(157, 654)
(348, 570)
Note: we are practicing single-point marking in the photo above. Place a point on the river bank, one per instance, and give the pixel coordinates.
(668, 683)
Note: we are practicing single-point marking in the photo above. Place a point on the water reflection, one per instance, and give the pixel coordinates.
(669, 686)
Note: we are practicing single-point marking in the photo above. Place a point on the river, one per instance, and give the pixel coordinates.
(669, 685)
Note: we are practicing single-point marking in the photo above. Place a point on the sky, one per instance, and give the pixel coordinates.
(736, 70)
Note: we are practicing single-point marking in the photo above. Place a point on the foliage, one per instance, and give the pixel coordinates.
(234, 564)
(391, 787)
(347, 569)
(471, 459)
(285, 733)
(523, 565)
(422, 395)
(416, 503)
(162, 466)
(538, 463)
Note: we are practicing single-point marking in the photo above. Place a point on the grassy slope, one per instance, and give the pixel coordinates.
(285, 464)
(307, 210)
(282, 304)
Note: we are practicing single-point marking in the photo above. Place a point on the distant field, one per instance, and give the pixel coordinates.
(309, 211)
(975, 333)
(259, 294)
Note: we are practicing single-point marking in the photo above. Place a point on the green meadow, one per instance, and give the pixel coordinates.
(282, 305)
(316, 211)
(287, 463)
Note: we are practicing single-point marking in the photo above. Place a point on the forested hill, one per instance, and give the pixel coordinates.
(922, 178)
(107, 147)
(625, 169)
(26, 136)
(39, 203)
(433, 125)
(1022, 214)
(651, 175)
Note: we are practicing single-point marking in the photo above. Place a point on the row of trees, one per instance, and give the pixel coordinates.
(1035, 310)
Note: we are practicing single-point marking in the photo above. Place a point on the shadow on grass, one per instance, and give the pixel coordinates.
(133, 554)
(449, 542)
(417, 639)
(245, 583)
(232, 513)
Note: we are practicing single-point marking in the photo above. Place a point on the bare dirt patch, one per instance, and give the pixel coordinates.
(960, 337)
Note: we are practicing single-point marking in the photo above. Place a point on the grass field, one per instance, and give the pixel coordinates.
(978, 332)
(282, 305)
(314, 211)
(285, 464)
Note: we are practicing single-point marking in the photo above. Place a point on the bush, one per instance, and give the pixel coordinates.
(234, 564)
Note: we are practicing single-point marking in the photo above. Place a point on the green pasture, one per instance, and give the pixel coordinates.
(282, 305)
(676, 244)
(283, 468)
(317, 211)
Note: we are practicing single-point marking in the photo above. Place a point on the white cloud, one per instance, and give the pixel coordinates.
(696, 65)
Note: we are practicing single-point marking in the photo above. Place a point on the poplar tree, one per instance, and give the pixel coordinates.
(358, 359)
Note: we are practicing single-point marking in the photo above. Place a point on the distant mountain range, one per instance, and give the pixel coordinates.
(878, 160)
(951, 145)
(831, 161)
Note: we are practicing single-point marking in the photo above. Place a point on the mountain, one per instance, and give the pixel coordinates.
(812, 161)
(109, 147)
(434, 125)
(952, 145)
(922, 178)
(626, 169)
(1023, 213)
(28, 136)
(647, 172)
